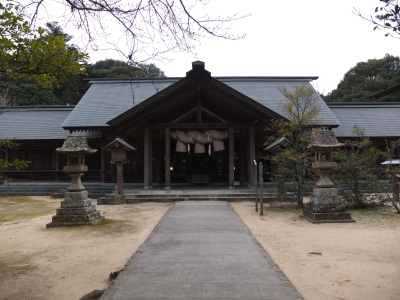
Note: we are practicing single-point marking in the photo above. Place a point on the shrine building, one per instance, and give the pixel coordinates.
(195, 130)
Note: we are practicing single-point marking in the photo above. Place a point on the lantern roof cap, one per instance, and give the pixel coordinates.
(75, 144)
(116, 143)
(324, 139)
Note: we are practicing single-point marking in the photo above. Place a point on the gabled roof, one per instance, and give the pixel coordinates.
(390, 90)
(36, 123)
(378, 120)
(117, 142)
(110, 102)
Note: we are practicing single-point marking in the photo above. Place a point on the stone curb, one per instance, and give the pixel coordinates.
(112, 286)
(286, 282)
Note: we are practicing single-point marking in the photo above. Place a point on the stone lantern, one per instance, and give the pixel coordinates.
(325, 206)
(77, 208)
(118, 149)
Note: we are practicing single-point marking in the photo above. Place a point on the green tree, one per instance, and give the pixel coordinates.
(55, 29)
(111, 68)
(386, 17)
(108, 68)
(358, 170)
(301, 111)
(27, 54)
(27, 94)
(367, 78)
(4, 164)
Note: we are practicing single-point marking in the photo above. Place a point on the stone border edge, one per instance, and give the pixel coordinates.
(286, 282)
(110, 289)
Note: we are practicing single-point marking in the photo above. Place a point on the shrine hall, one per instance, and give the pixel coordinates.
(197, 130)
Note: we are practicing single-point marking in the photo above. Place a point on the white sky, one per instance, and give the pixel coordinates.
(288, 38)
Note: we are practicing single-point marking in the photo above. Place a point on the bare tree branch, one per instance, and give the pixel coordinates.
(385, 17)
(140, 30)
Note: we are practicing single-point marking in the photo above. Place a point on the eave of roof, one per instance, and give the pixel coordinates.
(388, 91)
(28, 123)
(377, 119)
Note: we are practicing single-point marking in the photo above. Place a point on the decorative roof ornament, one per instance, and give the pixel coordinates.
(75, 144)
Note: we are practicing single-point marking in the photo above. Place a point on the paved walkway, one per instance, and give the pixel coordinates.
(202, 250)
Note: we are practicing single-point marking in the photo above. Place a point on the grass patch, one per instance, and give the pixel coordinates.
(375, 214)
(18, 208)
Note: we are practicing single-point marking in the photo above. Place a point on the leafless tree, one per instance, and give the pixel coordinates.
(139, 29)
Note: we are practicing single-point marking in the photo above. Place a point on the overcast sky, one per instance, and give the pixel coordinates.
(288, 38)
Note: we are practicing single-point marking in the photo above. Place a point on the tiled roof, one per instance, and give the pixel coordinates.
(376, 119)
(36, 123)
(107, 99)
(266, 91)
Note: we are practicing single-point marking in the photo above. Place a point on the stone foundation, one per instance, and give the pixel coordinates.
(325, 207)
(77, 209)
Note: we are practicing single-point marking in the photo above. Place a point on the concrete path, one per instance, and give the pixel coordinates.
(202, 250)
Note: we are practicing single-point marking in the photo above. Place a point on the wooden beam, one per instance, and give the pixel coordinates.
(203, 125)
(167, 158)
(231, 159)
(238, 105)
(214, 115)
(159, 107)
(183, 116)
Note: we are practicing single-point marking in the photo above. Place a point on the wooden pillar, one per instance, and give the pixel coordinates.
(57, 166)
(146, 160)
(151, 159)
(167, 158)
(157, 156)
(102, 163)
(243, 157)
(120, 178)
(6, 158)
(231, 159)
(252, 157)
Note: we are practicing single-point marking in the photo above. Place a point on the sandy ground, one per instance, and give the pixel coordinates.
(67, 263)
(358, 261)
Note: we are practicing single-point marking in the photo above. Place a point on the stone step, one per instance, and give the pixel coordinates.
(187, 195)
(230, 199)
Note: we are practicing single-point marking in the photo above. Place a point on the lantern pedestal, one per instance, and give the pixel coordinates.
(76, 209)
(325, 207)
